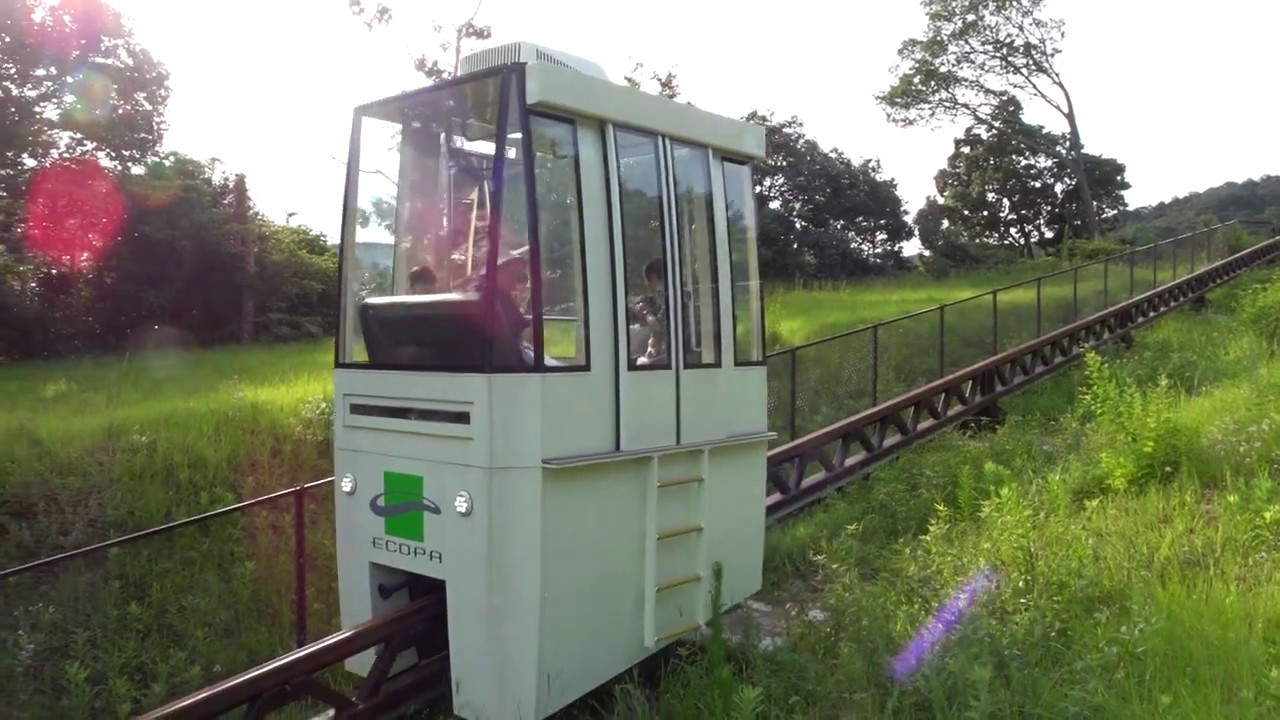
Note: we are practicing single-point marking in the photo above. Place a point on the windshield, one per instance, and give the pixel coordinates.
(429, 178)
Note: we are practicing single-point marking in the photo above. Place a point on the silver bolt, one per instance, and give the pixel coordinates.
(348, 483)
(462, 503)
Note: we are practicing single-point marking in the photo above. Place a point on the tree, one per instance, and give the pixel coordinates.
(241, 229)
(178, 262)
(75, 84)
(450, 46)
(974, 56)
(996, 189)
(821, 214)
(666, 84)
(296, 286)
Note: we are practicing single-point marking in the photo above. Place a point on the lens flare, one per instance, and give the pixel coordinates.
(74, 213)
(93, 95)
(944, 622)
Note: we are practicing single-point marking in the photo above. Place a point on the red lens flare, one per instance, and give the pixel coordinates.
(74, 213)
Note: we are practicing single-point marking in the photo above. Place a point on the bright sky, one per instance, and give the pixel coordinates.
(1186, 98)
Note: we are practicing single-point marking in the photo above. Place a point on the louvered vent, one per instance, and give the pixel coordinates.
(527, 52)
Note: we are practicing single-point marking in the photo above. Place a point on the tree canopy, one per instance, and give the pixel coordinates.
(972, 59)
(822, 215)
(996, 189)
(104, 242)
(76, 83)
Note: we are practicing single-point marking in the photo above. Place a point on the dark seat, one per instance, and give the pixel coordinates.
(440, 332)
(444, 331)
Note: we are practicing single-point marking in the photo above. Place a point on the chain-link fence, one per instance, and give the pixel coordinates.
(818, 383)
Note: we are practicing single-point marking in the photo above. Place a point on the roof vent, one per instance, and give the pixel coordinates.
(527, 52)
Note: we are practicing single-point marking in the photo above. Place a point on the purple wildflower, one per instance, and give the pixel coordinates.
(944, 622)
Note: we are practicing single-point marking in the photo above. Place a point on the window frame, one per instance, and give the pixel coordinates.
(624, 328)
(539, 338)
(712, 242)
(749, 167)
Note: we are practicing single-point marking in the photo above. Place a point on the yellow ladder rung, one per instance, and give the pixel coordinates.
(682, 630)
(692, 577)
(678, 482)
(678, 531)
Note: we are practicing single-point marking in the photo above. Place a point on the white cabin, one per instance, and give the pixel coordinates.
(553, 406)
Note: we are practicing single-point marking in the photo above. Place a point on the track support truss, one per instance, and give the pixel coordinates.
(292, 677)
(854, 446)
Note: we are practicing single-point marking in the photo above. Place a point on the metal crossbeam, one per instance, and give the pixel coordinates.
(854, 446)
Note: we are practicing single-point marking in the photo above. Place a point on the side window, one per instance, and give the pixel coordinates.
(744, 265)
(699, 291)
(643, 249)
(559, 198)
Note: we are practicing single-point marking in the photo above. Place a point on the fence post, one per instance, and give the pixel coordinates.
(795, 396)
(1075, 293)
(875, 364)
(1155, 266)
(300, 565)
(1039, 312)
(942, 340)
(1106, 284)
(1133, 261)
(995, 324)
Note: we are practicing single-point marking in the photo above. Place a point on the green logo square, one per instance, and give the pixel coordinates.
(403, 506)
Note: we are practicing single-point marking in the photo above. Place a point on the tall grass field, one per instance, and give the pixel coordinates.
(1127, 515)
(1131, 523)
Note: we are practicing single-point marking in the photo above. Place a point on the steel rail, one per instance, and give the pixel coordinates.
(291, 677)
(855, 445)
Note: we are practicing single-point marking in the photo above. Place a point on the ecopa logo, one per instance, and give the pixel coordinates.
(403, 507)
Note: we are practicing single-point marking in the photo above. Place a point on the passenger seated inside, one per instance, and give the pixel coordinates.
(422, 281)
(510, 324)
(650, 312)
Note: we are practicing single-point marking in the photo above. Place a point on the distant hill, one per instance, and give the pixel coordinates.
(1249, 200)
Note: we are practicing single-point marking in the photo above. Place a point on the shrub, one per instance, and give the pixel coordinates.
(1259, 310)
(1134, 441)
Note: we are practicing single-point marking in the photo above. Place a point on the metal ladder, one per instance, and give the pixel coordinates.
(662, 582)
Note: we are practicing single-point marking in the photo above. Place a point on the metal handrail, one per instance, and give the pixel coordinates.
(1039, 278)
(159, 530)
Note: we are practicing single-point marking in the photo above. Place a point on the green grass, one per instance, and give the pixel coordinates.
(1132, 511)
(95, 449)
(797, 315)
